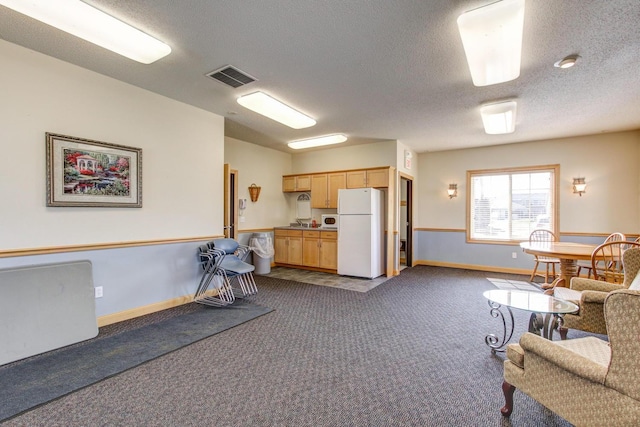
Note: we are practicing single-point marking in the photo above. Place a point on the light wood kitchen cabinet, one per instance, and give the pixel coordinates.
(329, 250)
(320, 249)
(311, 248)
(377, 178)
(294, 183)
(324, 189)
(288, 246)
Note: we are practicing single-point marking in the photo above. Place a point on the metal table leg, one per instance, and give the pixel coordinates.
(496, 343)
(544, 326)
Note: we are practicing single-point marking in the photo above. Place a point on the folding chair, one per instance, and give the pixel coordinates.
(234, 265)
(214, 288)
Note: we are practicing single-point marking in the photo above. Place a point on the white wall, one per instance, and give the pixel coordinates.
(182, 164)
(343, 158)
(182, 148)
(609, 163)
(264, 167)
(402, 151)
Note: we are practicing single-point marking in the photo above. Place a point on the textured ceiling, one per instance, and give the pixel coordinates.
(373, 69)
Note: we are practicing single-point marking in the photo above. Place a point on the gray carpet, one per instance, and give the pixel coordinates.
(410, 352)
(38, 380)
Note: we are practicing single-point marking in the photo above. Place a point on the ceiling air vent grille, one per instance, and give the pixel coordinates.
(231, 76)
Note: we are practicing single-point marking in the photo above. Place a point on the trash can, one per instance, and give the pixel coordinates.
(262, 246)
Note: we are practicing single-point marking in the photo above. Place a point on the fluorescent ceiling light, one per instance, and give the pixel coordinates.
(81, 20)
(270, 107)
(499, 117)
(492, 39)
(317, 142)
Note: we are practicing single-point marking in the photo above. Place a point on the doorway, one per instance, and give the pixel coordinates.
(230, 201)
(405, 221)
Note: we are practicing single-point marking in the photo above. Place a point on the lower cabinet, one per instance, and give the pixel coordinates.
(288, 246)
(329, 250)
(317, 250)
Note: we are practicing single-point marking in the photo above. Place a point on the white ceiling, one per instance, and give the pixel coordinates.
(372, 69)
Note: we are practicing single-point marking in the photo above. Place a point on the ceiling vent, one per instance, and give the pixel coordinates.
(231, 76)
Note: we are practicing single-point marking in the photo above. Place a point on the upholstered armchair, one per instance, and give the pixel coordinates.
(590, 294)
(587, 381)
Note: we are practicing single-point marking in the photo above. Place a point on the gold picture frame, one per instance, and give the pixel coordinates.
(86, 173)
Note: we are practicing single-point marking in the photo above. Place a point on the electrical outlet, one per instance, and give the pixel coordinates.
(241, 219)
(98, 291)
(514, 255)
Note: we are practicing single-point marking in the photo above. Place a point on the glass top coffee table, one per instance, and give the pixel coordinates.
(537, 303)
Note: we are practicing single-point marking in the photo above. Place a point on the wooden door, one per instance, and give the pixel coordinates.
(378, 178)
(281, 249)
(319, 191)
(288, 183)
(230, 201)
(356, 179)
(329, 253)
(336, 181)
(310, 251)
(295, 250)
(303, 183)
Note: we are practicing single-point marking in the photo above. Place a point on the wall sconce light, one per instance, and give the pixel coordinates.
(579, 186)
(452, 191)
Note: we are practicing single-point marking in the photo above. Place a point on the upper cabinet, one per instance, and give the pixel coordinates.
(376, 178)
(324, 189)
(324, 186)
(292, 183)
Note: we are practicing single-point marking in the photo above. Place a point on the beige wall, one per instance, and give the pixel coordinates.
(342, 158)
(609, 163)
(182, 148)
(264, 167)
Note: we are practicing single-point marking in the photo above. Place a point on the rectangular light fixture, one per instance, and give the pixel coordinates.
(492, 40)
(270, 107)
(499, 118)
(88, 23)
(317, 142)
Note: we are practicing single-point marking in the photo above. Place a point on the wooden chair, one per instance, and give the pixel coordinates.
(613, 237)
(544, 236)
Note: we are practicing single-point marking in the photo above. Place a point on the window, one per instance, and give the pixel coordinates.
(506, 205)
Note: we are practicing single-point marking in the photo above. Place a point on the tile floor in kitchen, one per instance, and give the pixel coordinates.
(325, 279)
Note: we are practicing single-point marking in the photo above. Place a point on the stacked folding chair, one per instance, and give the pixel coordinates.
(214, 288)
(233, 264)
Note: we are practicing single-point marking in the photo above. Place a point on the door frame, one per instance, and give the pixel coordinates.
(230, 202)
(408, 250)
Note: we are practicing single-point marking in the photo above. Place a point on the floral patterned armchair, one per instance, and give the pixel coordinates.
(590, 294)
(587, 381)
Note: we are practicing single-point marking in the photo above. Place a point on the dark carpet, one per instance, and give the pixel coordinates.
(26, 384)
(410, 352)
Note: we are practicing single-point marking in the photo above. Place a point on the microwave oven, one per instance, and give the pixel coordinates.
(329, 221)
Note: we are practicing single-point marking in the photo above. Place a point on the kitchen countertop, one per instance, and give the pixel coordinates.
(299, 227)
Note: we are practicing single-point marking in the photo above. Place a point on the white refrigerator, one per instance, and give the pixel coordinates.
(361, 232)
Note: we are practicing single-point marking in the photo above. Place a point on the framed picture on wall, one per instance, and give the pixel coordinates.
(86, 173)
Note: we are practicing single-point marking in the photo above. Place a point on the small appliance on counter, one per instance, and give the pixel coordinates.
(329, 221)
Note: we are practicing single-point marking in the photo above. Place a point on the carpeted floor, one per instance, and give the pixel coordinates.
(37, 380)
(410, 352)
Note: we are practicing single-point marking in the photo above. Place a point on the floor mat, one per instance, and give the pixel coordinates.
(32, 382)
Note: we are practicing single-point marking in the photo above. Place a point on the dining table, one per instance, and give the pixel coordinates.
(568, 253)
